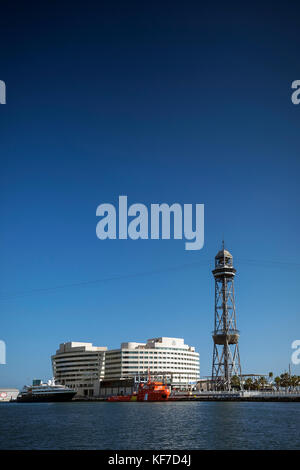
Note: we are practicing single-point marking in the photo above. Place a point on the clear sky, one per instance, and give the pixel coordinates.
(163, 102)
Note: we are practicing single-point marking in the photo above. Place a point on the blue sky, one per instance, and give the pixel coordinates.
(174, 103)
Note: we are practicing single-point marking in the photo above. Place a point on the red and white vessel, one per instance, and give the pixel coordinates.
(150, 391)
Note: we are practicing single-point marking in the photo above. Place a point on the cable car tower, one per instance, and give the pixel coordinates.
(226, 356)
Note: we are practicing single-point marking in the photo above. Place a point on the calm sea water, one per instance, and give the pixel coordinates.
(199, 425)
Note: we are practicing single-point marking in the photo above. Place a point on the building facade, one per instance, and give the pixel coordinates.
(165, 358)
(80, 366)
(96, 371)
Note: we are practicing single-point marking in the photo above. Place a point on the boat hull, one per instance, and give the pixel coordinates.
(152, 391)
(144, 398)
(122, 398)
(55, 397)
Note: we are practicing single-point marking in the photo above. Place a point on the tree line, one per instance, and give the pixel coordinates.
(285, 380)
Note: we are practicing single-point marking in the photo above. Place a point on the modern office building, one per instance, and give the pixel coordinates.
(165, 358)
(88, 368)
(79, 366)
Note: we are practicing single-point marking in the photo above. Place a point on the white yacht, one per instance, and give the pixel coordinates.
(47, 392)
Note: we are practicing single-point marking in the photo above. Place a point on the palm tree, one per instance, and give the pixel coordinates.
(277, 381)
(295, 381)
(262, 382)
(285, 380)
(248, 383)
(270, 376)
(235, 382)
(256, 385)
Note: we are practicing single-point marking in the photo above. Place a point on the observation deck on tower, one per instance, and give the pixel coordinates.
(224, 264)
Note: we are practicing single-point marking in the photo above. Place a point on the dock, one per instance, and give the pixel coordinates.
(241, 396)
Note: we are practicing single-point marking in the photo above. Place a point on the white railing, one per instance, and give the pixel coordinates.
(275, 393)
(242, 393)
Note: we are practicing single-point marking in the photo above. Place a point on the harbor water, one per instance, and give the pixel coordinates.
(177, 425)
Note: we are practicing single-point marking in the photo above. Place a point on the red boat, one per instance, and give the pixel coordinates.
(151, 391)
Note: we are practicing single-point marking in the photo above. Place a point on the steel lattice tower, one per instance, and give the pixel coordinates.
(226, 357)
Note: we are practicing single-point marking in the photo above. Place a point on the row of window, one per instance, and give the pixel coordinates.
(67, 369)
(189, 363)
(75, 359)
(59, 357)
(156, 360)
(157, 367)
(174, 349)
(78, 376)
(134, 353)
(150, 351)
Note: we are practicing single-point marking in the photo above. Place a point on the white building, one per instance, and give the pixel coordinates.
(167, 358)
(79, 366)
(83, 366)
